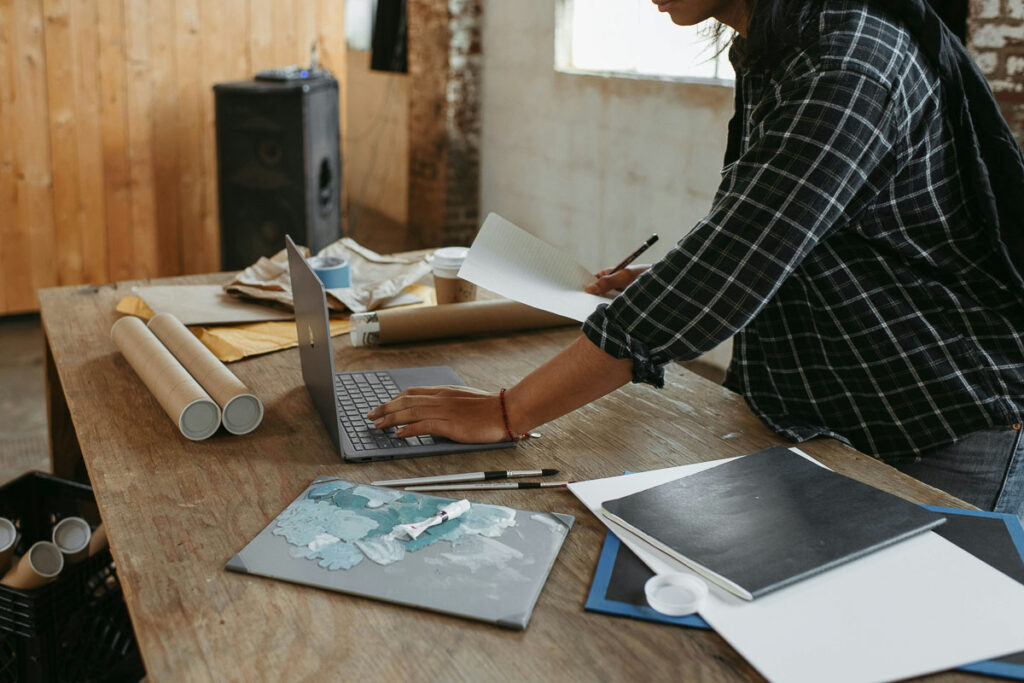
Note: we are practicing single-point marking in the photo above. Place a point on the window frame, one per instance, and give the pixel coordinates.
(563, 57)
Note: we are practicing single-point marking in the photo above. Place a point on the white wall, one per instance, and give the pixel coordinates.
(590, 164)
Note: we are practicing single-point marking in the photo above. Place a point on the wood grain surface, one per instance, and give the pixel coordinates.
(176, 511)
(107, 154)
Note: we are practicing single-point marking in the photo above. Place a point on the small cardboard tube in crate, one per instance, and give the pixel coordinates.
(41, 564)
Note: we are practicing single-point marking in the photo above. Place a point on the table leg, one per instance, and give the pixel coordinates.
(65, 453)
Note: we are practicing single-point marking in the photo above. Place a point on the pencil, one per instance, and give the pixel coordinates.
(466, 476)
(499, 485)
(636, 253)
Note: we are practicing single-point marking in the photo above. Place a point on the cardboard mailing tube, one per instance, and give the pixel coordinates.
(449, 320)
(99, 541)
(8, 539)
(181, 397)
(241, 411)
(72, 536)
(40, 565)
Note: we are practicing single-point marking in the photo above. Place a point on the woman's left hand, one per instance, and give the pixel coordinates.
(458, 413)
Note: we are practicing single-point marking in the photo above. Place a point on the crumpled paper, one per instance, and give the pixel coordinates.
(375, 278)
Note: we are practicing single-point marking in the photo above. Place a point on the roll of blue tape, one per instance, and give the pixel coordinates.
(333, 271)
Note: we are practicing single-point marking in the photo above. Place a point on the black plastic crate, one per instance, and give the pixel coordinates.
(75, 628)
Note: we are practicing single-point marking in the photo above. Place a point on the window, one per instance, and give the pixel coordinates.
(632, 38)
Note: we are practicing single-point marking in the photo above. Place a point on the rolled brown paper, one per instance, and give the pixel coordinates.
(40, 565)
(98, 542)
(450, 320)
(241, 411)
(196, 414)
(8, 538)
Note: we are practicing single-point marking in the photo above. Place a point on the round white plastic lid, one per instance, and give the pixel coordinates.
(8, 533)
(46, 559)
(71, 534)
(449, 258)
(200, 419)
(676, 594)
(242, 414)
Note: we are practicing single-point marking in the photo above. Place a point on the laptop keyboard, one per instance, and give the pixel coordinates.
(357, 393)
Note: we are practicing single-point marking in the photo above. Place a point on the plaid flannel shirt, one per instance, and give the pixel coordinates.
(840, 251)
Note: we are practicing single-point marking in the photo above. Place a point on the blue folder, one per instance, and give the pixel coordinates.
(998, 539)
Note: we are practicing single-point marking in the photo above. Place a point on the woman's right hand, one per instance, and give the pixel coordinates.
(607, 281)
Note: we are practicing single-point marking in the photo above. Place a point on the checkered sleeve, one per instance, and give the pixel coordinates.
(806, 161)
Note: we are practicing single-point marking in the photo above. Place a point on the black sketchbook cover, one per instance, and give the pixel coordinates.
(767, 520)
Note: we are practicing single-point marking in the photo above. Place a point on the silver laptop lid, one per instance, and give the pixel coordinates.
(313, 328)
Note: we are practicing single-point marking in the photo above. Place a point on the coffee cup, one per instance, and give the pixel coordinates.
(450, 288)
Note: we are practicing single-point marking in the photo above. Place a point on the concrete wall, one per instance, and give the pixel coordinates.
(590, 164)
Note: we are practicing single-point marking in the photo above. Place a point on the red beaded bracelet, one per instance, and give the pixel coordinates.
(504, 417)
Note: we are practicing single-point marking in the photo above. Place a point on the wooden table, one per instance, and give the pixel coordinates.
(177, 510)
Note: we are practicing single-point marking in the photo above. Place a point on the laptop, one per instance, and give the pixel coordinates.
(344, 398)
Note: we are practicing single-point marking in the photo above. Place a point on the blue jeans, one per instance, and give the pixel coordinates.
(983, 468)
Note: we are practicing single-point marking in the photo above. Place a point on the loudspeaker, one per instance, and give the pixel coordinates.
(278, 166)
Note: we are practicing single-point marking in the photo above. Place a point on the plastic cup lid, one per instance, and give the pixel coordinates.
(46, 559)
(71, 534)
(676, 594)
(449, 258)
(242, 414)
(200, 419)
(8, 533)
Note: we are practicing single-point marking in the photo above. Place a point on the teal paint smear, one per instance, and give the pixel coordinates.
(383, 550)
(446, 531)
(300, 535)
(377, 496)
(348, 525)
(363, 518)
(482, 520)
(327, 489)
(488, 520)
(349, 501)
(386, 520)
(339, 556)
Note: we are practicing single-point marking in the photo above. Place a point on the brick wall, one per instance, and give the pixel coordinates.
(462, 200)
(444, 122)
(995, 36)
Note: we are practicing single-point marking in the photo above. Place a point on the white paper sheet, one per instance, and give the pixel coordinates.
(917, 607)
(513, 263)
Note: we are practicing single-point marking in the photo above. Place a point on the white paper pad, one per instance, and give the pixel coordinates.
(917, 607)
(513, 263)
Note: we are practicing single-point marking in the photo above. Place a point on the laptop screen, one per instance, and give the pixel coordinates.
(314, 334)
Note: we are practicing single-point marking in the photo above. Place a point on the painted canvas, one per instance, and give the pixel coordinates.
(490, 563)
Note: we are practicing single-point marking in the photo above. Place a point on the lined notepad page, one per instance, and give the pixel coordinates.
(513, 263)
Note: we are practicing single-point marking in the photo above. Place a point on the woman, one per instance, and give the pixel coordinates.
(858, 247)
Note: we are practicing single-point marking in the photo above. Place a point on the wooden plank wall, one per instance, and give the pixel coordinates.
(107, 156)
